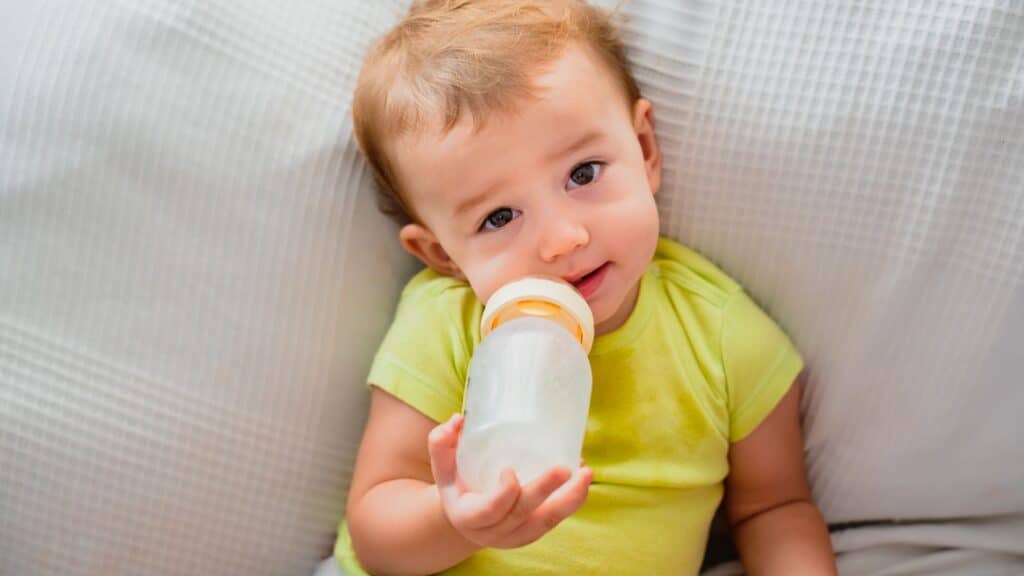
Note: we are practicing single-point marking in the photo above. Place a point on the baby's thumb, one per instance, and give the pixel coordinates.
(441, 443)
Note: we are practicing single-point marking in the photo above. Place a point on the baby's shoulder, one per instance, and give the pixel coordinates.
(431, 300)
(430, 287)
(684, 273)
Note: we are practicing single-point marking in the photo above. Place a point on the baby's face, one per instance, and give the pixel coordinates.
(562, 186)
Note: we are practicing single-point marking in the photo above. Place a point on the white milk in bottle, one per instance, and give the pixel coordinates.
(528, 393)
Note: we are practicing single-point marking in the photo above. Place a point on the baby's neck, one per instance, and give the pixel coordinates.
(621, 315)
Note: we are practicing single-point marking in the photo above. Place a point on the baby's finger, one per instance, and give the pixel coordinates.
(441, 443)
(566, 500)
(536, 492)
(562, 504)
(481, 511)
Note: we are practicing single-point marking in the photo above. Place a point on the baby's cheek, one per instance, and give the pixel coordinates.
(485, 279)
(482, 292)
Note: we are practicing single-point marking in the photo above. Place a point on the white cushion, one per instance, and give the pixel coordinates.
(193, 277)
(859, 168)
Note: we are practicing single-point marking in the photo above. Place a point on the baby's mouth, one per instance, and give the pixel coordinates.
(591, 281)
(587, 275)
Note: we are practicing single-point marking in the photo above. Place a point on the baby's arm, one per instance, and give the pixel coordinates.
(402, 522)
(777, 527)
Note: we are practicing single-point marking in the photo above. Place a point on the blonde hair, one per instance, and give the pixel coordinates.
(450, 57)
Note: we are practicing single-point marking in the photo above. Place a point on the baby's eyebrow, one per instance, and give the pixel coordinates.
(574, 146)
(471, 202)
(578, 144)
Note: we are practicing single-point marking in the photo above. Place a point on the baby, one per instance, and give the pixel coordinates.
(509, 139)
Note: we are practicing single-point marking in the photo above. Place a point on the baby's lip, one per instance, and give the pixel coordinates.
(577, 277)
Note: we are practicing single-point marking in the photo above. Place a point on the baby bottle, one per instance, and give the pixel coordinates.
(528, 393)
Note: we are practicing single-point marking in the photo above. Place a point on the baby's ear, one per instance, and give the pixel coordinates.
(643, 124)
(421, 243)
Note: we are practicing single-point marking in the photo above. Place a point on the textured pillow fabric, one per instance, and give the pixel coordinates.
(193, 276)
(859, 168)
(193, 279)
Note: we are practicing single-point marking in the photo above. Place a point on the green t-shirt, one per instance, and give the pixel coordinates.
(695, 367)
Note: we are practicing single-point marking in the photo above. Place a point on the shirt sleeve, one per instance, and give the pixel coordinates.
(425, 354)
(759, 361)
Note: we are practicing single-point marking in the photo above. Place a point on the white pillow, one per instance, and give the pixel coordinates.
(859, 167)
(193, 279)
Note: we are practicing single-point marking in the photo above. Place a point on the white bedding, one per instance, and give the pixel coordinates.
(860, 168)
(193, 277)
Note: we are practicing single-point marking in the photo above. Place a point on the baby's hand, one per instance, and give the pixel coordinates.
(512, 515)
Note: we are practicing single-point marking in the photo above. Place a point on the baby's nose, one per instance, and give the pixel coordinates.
(562, 237)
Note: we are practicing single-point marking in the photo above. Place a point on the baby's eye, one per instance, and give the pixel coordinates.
(499, 218)
(583, 174)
